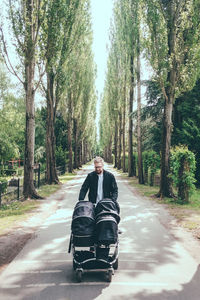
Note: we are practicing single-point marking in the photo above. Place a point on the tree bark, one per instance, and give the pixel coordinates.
(75, 145)
(116, 144)
(69, 134)
(165, 182)
(139, 138)
(119, 164)
(124, 130)
(80, 153)
(29, 190)
(51, 172)
(130, 130)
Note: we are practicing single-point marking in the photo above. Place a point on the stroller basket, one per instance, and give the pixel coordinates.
(83, 241)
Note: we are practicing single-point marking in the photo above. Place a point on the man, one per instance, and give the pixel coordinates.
(100, 183)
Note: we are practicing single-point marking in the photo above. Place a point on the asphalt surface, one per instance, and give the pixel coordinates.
(153, 264)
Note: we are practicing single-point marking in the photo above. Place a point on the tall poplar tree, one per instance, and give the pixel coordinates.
(26, 17)
(57, 41)
(173, 48)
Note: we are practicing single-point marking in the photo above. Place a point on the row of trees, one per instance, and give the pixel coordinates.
(52, 39)
(166, 33)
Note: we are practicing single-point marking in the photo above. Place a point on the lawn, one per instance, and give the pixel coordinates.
(11, 214)
(187, 215)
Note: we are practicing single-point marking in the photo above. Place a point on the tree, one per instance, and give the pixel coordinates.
(59, 36)
(173, 49)
(139, 137)
(78, 100)
(186, 119)
(26, 17)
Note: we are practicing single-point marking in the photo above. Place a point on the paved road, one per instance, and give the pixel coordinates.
(153, 265)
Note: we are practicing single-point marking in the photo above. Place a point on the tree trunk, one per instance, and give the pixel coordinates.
(86, 152)
(130, 130)
(116, 144)
(80, 153)
(119, 165)
(51, 172)
(75, 145)
(69, 134)
(29, 190)
(139, 138)
(165, 182)
(124, 130)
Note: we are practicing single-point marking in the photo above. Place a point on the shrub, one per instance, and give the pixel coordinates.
(183, 167)
(60, 156)
(145, 165)
(153, 164)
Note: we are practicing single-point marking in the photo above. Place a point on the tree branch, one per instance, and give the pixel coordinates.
(40, 80)
(162, 9)
(180, 4)
(7, 59)
(14, 27)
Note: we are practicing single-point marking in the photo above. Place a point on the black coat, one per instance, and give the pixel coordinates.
(110, 189)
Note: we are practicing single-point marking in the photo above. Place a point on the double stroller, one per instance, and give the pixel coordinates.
(94, 237)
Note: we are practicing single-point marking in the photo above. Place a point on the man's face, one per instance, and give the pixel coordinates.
(98, 168)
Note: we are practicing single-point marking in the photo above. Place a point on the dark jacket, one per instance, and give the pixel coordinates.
(110, 189)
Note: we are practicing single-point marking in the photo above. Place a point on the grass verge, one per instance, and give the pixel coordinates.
(12, 213)
(187, 215)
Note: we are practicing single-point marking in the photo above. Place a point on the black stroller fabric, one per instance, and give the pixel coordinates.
(95, 225)
(106, 230)
(107, 219)
(108, 207)
(83, 223)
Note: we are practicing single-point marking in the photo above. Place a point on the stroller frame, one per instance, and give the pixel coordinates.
(93, 263)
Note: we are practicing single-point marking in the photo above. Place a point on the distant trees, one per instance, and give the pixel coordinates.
(53, 40)
(26, 18)
(123, 76)
(12, 120)
(173, 44)
(167, 32)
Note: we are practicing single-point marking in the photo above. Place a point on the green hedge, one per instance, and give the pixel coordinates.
(183, 166)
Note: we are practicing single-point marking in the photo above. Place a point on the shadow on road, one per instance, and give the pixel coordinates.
(148, 252)
(186, 291)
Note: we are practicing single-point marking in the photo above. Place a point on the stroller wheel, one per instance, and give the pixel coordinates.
(74, 265)
(109, 275)
(79, 274)
(115, 265)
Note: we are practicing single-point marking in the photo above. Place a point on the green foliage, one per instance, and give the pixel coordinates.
(60, 156)
(145, 165)
(154, 165)
(12, 121)
(186, 120)
(151, 163)
(3, 185)
(183, 166)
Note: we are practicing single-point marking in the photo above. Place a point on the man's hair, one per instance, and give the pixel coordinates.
(98, 159)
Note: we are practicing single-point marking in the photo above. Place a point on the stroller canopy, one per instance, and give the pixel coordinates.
(83, 219)
(108, 207)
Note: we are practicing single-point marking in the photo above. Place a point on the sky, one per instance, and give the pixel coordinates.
(101, 11)
(101, 15)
